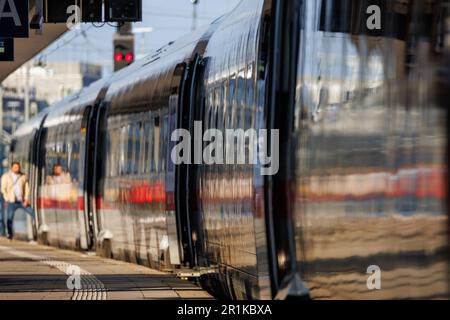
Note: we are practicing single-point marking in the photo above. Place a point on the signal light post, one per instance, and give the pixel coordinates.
(123, 46)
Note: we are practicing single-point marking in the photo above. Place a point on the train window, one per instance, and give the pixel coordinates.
(51, 153)
(118, 147)
(217, 109)
(144, 150)
(114, 151)
(222, 105)
(231, 92)
(64, 150)
(241, 86)
(225, 103)
(108, 153)
(149, 140)
(123, 151)
(172, 125)
(146, 147)
(152, 148)
(69, 151)
(227, 106)
(165, 137)
(130, 152)
(213, 118)
(249, 96)
(232, 100)
(137, 146)
(156, 144)
(75, 162)
(208, 110)
(240, 96)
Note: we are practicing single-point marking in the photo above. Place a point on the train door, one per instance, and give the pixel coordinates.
(36, 162)
(281, 92)
(99, 119)
(196, 107)
(33, 178)
(175, 223)
(187, 213)
(87, 146)
(38, 190)
(92, 129)
(181, 192)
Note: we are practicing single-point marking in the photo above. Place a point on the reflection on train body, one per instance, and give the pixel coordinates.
(234, 91)
(371, 163)
(134, 197)
(59, 190)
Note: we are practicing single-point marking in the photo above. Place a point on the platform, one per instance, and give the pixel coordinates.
(34, 272)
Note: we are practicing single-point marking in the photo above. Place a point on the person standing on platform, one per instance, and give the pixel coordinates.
(2, 211)
(16, 194)
(2, 202)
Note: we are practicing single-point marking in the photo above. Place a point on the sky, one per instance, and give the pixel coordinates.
(169, 19)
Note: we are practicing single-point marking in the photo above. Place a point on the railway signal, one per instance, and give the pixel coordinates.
(123, 47)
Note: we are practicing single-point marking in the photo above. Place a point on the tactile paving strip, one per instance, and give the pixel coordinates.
(91, 288)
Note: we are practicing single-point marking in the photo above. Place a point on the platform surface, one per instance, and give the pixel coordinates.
(34, 272)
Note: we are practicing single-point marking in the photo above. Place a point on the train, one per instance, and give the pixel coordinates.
(357, 93)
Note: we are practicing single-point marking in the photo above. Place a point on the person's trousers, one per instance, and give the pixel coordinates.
(11, 209)
(2, 218)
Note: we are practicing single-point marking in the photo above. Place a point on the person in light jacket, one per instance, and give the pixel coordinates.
(2, 210)
(16, 194)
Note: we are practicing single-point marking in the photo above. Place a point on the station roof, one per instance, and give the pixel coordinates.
(26, 48)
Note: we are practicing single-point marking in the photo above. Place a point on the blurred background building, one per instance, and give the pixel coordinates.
(51, 81)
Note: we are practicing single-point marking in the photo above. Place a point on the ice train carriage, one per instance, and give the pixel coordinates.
(363, 154)
(112, 140)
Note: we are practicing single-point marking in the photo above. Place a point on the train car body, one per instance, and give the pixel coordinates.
(136, 202)
(357, 94)
(371, 161)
